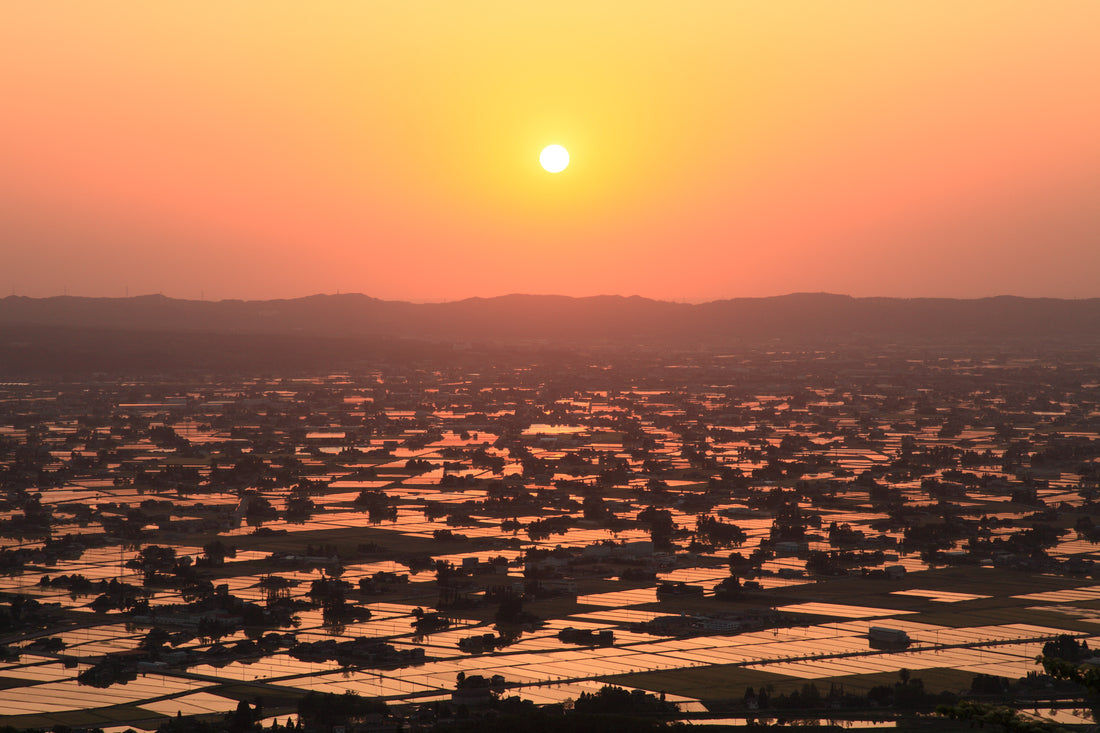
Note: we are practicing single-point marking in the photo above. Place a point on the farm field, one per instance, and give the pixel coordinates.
(705, 528)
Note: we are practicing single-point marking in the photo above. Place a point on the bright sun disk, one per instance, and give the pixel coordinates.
(554, 158)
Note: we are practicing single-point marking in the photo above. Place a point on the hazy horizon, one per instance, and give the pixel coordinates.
(440, 301)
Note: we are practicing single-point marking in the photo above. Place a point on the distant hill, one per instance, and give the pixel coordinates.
(804, 317)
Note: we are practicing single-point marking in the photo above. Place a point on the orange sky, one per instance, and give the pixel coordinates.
(275, 148)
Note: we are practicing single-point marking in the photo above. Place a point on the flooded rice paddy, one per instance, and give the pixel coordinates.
(173, 546)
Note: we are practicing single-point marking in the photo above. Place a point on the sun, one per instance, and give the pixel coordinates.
(554, 158)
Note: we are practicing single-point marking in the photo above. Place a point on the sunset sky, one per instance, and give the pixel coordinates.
(279, 148)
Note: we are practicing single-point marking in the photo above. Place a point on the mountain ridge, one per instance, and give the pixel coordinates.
(600, 318)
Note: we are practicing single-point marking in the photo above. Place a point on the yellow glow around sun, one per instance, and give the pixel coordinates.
(554, 158)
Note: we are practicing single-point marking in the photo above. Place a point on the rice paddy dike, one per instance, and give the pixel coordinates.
(725, 530)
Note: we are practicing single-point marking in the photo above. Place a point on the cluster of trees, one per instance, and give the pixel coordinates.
(717, 533)
(316, 711)
(907, 692)
(609, 710)
(1067, 648)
